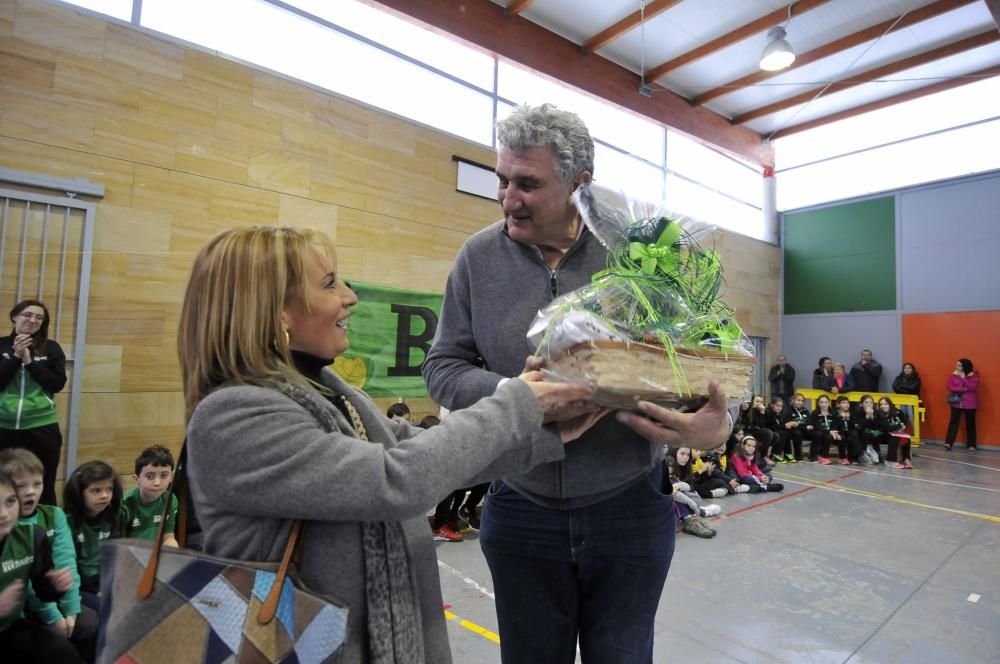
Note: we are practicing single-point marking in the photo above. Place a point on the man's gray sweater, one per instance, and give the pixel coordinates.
(494, 291)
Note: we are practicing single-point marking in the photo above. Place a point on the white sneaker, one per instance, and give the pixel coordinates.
(719, 493)
(743, 488)
(710, 510)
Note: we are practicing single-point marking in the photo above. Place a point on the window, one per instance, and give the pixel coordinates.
(943, 110)
(925, 159)
(692, 199)
(405, 37)
(293, 45)
(621, 173)
(713, 169)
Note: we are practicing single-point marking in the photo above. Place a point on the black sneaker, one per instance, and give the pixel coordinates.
(470, 519)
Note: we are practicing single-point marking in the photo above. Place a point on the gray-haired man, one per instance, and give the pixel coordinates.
(578, 548)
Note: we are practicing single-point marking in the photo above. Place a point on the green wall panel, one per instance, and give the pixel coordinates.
(841, 258)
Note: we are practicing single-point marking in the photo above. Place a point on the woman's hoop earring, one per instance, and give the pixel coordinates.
(288, 337)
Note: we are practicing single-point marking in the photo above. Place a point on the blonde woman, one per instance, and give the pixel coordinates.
(274, 435)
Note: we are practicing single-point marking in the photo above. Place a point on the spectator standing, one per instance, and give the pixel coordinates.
(964, 382)
(907, 382)
(867, 373)
(820, 373)
(782, 378)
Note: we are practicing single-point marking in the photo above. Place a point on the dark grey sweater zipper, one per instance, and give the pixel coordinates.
(553, 284)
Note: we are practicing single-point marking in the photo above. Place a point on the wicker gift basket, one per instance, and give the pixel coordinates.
(649, 327)
(624, 373)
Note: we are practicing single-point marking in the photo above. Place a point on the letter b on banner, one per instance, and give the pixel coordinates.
(407, 339)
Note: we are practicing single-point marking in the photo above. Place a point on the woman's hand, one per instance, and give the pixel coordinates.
(10, 598)
(22, 348)
(704, 429)
(560, 402)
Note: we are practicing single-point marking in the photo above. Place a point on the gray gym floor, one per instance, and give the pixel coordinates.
(849, 564)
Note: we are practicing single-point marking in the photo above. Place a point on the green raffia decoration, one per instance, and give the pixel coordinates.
(674, 284)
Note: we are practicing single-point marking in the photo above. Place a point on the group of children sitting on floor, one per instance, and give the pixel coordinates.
(764, 437)
(50, 556)
(736, 466)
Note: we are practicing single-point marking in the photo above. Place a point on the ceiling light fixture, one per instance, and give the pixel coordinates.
(778, 53)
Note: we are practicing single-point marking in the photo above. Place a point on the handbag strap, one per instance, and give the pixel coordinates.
(180, 486)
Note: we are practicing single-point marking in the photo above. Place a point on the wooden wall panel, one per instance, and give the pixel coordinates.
(187, 144)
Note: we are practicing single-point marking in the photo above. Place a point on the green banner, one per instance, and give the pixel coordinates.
(391, 330)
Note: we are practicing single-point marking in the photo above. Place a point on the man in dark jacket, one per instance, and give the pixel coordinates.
(867, 373)
(782, 377)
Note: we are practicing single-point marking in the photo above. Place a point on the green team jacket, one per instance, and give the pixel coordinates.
(25, 555)
(26, 390)
(52, 521)
(87, 537)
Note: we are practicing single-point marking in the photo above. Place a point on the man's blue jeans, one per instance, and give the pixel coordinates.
(596, 573)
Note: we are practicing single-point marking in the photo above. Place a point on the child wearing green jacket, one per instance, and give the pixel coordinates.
(65, 617)
(26, 562)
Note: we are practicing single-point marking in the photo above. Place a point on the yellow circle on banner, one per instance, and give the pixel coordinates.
(352, 369)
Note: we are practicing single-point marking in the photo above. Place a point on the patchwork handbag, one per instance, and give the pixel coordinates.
(161, 605)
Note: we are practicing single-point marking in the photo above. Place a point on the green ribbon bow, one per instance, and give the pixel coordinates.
(660, 254)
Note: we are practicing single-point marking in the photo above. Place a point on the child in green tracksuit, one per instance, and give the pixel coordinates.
(26, 562)
(143, 505)
(92, 499)
(65, 617)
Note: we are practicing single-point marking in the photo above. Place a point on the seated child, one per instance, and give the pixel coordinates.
(689, 512)
(746, 467)
(795, 421)
(26, 560)
(870, 427)
(776, 423)
(66, 617)
(821, 429)
(894, 425)
(755, 424)
(724, 469)
(143, 506)
(92, 499)
(845, 433)
(704, 480)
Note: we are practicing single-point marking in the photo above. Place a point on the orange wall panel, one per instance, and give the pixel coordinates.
(933, 343)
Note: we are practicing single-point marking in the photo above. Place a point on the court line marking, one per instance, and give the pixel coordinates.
(783, 496)
(906, 476)
(821, 484)
(467, 580)
(473, 627)
(964, 463)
